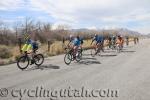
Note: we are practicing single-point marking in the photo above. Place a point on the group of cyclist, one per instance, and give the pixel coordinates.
(76, 42)
(115, 41)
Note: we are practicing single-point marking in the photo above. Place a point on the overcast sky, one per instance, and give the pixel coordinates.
(92, 14)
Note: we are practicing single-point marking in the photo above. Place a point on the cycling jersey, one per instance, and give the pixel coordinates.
(26, 47)
(76, 42)
(119, 41)
(30, 44)
(98, 39)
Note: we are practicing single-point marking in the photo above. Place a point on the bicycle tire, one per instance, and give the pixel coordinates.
(79, 55)
(69, 57)
(23, 58)
(38, 56)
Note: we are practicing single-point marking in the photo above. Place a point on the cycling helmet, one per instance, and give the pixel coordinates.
(95, 35)
(70, 36)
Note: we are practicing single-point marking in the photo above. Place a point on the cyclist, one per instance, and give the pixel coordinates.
(137, 39)
(74, 43)
(109, 42)
(120, 41)
(99, 41)
(30, 46)
(113, 40)
(127, 40)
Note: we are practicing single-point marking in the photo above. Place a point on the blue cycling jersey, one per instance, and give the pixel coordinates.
(76, 42)
(98, 39)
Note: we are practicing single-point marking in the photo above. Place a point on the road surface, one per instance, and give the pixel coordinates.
(124, 76)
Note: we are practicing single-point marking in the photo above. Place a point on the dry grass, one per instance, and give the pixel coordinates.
(55, 49)
(7, 54)
(58, 47)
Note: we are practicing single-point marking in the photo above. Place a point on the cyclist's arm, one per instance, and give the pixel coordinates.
(93, 40)
(70, 41)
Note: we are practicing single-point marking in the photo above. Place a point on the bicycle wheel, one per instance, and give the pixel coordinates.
(68, 58)
(38, 59)
(78, 55)
(23, 62)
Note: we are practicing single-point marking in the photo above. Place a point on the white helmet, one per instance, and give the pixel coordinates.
(71, 36)
(95, 34)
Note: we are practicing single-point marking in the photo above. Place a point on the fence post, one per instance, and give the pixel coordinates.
(127, 41)
(48, 45)
(19, 44)
(137, 39)
(63, 41)
(134, 40)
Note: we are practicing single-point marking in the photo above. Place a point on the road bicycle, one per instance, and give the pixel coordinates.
(96, 50)
(24, 61)
(71, 56)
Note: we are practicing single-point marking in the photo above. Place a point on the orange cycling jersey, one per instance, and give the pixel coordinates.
(119, 41)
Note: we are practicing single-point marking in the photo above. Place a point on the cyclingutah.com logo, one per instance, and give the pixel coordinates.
(40, 92)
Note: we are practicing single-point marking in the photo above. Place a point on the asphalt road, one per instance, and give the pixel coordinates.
(112, 76)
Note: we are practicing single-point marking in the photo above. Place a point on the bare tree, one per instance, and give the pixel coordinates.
(47, 27)
(17, 29)
(28, 25)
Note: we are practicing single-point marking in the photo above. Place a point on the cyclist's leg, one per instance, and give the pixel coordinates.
(114, 44)
(109, 44)
(98, 48)
(102, 46)
(95, 46)
(33, 53)
(30, 47)
(120, 46)
(75, 48)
